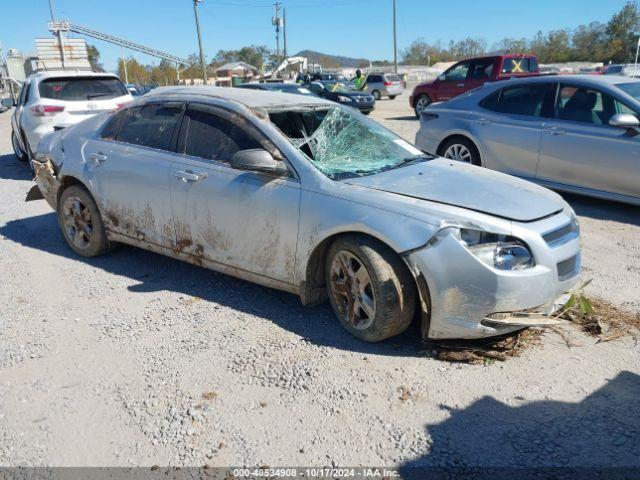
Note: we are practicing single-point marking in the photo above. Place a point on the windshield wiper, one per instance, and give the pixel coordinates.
(96, 95)
(409, 160)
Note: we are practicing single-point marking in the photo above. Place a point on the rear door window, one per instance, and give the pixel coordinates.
(208, 135)
(81, 88)
(481, 69)
(151, 125)
(527, 100)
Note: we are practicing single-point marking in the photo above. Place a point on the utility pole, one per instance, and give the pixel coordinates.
(204, 66)
(124, 65)
(276, 21)
(395, 44)
(59, 34)
(635, 65)
(284, 31)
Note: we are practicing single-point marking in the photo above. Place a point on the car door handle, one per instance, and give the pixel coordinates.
(461, 84)
(482, 121)
(190, 176)
(98, 158)
(554, 131)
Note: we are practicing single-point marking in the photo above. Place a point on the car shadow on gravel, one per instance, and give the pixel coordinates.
(156, 273)
(13, 169)
(604, 209)
(542, 439)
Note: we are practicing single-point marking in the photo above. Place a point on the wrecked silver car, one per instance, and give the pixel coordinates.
(303, 195)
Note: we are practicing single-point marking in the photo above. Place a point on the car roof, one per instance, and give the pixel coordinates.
(245, 96)
(593, 80)
(70, 73)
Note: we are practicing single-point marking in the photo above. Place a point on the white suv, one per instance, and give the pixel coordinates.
(50, 101)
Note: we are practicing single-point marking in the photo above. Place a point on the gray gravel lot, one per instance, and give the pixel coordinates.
(137, 359)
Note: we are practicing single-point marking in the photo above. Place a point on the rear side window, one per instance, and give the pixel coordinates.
(111, 129)
(527, 100)
(150, 125)
(519, 65)
(209, 136)
(81, 88)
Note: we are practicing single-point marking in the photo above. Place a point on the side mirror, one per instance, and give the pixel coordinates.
(442, 77)
(8, 102)
(258, 160)
(624, 120)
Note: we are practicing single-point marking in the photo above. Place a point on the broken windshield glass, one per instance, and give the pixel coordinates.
(346, 144)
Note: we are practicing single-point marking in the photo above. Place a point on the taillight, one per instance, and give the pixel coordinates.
(388, 84)
(120, 105)
(41, 110)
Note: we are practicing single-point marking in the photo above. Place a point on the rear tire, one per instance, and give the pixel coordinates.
(81, 223)
(462, 150)
(376, 95)
(371, 290)
(391, 97)
(17, 150)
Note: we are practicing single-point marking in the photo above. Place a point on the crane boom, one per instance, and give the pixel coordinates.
(71, 27)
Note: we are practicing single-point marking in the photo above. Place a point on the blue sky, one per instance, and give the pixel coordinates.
(358, 28)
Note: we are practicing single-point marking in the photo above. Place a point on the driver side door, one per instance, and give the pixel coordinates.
(238, 219)
(453, 81)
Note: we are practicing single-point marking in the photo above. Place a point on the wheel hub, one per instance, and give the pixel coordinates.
(352, 290)
(77, 221)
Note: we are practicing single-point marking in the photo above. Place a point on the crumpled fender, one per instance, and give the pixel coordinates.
(47, 181)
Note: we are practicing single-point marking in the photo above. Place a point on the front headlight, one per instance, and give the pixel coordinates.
(497, 251)
(342, 98)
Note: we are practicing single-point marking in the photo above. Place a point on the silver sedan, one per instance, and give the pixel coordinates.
(300, 194)
(571, 133)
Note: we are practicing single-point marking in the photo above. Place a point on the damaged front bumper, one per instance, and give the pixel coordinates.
(463, 298)
(46, 180)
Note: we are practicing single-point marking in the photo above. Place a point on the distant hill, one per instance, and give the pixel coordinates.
(333, 61)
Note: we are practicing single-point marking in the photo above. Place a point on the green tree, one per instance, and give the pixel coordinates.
(589, 43)
(622, 31)
(94, 58)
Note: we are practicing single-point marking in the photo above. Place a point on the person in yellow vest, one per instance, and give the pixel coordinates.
(361, 82)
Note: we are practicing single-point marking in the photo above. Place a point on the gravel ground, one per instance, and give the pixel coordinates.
(136, 359)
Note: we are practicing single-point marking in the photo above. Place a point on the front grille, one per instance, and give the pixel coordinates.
(561, 235)
(568, 268)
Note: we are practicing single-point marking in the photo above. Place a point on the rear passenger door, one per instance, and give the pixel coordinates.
(508, 125)
(238, 219)
(130, 164)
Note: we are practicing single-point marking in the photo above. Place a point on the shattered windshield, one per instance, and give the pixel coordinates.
(343, 144)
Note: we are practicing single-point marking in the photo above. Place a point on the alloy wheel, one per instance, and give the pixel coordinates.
(423, 102)
(77, 221)
(458, 152)
(352, 290)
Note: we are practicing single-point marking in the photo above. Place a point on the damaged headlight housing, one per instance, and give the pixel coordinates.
(497, 251)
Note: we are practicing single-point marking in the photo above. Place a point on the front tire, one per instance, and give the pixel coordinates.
(370, 289)
(81, 223)
(422, 102)
(17, 150)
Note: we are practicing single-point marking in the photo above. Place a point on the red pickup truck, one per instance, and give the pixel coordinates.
(471, 73)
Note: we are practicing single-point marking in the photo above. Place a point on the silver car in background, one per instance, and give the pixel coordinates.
(571, 133)
(384, 85)
(311, 197)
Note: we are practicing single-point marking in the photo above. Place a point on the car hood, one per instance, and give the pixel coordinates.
(463, 185)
